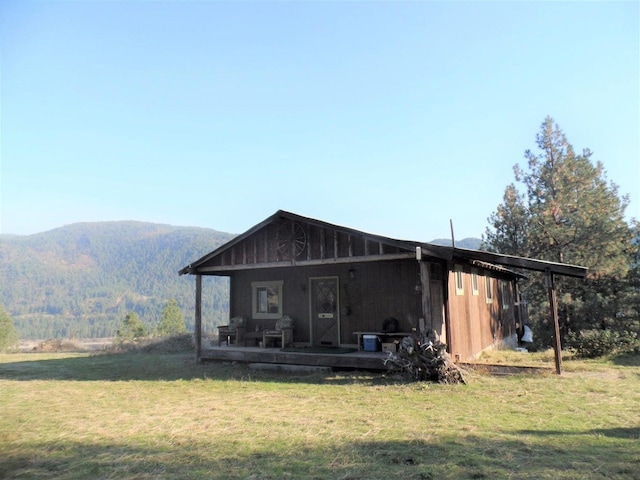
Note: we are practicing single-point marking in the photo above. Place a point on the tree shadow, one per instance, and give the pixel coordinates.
(627, 360)
(442, 457)
(632, 433)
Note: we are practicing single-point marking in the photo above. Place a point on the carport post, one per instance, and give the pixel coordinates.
(198, 319)
(553, 304)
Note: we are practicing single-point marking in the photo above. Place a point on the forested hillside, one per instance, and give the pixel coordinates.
(81, 280)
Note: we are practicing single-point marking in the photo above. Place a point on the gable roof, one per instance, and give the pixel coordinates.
(421, 249)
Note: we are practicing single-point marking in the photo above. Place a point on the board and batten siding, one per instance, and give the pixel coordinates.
(478, 322)
(372, 292)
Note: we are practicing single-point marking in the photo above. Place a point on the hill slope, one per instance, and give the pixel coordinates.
(82, 279)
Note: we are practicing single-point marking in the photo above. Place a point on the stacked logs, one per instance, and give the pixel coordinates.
(423, 357)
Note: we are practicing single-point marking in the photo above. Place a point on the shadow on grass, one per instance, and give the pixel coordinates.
(627, 432)
(627, 360)
(159, 367)
(449, 457)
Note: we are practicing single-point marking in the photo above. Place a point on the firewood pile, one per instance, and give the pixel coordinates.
(423, 357)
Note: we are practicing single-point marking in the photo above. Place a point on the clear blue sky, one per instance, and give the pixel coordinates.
(389, 117)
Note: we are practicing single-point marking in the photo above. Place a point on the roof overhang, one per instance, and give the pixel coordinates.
(512, 261)
(421, 250)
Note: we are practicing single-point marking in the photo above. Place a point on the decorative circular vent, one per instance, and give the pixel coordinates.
(291, 239)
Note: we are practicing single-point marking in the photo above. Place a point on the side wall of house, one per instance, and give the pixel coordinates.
(482, 309)
(372, 291)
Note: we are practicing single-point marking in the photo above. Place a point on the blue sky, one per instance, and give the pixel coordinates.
(389, 117)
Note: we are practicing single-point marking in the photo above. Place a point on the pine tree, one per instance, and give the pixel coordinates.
(510, 222)
(172, 320)
(131, 327)
(570, 213)
(8, 334)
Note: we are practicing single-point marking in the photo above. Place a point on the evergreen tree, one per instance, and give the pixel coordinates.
(570, 213)
(510, 222)
(131, 327)
(172, 320)
(8, 335)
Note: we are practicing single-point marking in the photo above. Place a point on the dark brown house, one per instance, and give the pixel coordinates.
(337, 284)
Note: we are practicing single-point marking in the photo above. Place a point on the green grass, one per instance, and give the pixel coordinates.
(155, 416)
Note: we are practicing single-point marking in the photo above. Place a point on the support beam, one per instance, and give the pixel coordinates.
(553, 304)
(198, 319)
(447, 311)
(225, 269)
(425, 281)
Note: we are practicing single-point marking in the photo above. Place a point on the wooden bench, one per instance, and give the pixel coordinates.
(285, 336)
(226, 333)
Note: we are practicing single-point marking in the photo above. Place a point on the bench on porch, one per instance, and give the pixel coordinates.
(235, 330)
(283, 331)
(285, 335)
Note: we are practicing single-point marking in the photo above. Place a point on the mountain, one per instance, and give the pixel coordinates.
(468, 243)
(82, 279)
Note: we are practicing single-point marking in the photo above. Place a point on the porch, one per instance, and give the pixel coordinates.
(359, 360)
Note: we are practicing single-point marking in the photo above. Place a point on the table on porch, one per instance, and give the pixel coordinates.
(381, 335)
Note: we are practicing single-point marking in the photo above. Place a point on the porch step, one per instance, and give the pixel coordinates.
(282, 367)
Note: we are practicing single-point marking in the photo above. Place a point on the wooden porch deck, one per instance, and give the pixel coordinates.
(357, 360)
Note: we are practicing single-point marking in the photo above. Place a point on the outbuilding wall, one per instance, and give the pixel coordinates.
(479, 320)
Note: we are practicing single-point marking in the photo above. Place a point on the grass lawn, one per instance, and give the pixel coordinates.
(154, 416)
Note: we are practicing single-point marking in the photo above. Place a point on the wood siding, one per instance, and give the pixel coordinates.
(378, 290)
(477, 323)
(265, 247)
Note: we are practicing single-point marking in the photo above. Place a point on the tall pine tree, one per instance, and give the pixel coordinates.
(569, 213)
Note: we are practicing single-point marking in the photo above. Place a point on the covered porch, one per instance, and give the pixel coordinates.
(355, 359)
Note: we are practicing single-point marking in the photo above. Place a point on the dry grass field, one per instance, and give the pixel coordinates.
(162, 416)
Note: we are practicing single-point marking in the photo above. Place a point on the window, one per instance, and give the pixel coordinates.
(474, 283)
(267, 299)
(489, 289)
(505, 294)
(459, 280)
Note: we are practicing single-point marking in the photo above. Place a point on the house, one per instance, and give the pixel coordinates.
(337, 284)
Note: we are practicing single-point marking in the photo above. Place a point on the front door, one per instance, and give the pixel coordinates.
(324, 307)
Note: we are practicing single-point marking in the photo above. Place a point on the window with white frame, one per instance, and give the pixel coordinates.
(459, 278)
(267, 299)
(488, 283)
(474, 283)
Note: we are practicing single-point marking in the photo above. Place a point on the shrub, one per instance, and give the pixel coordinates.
(598, 343)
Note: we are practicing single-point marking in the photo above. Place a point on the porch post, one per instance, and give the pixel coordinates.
(425, 281)
(447, 309)
(198, 319)
(553, 304)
